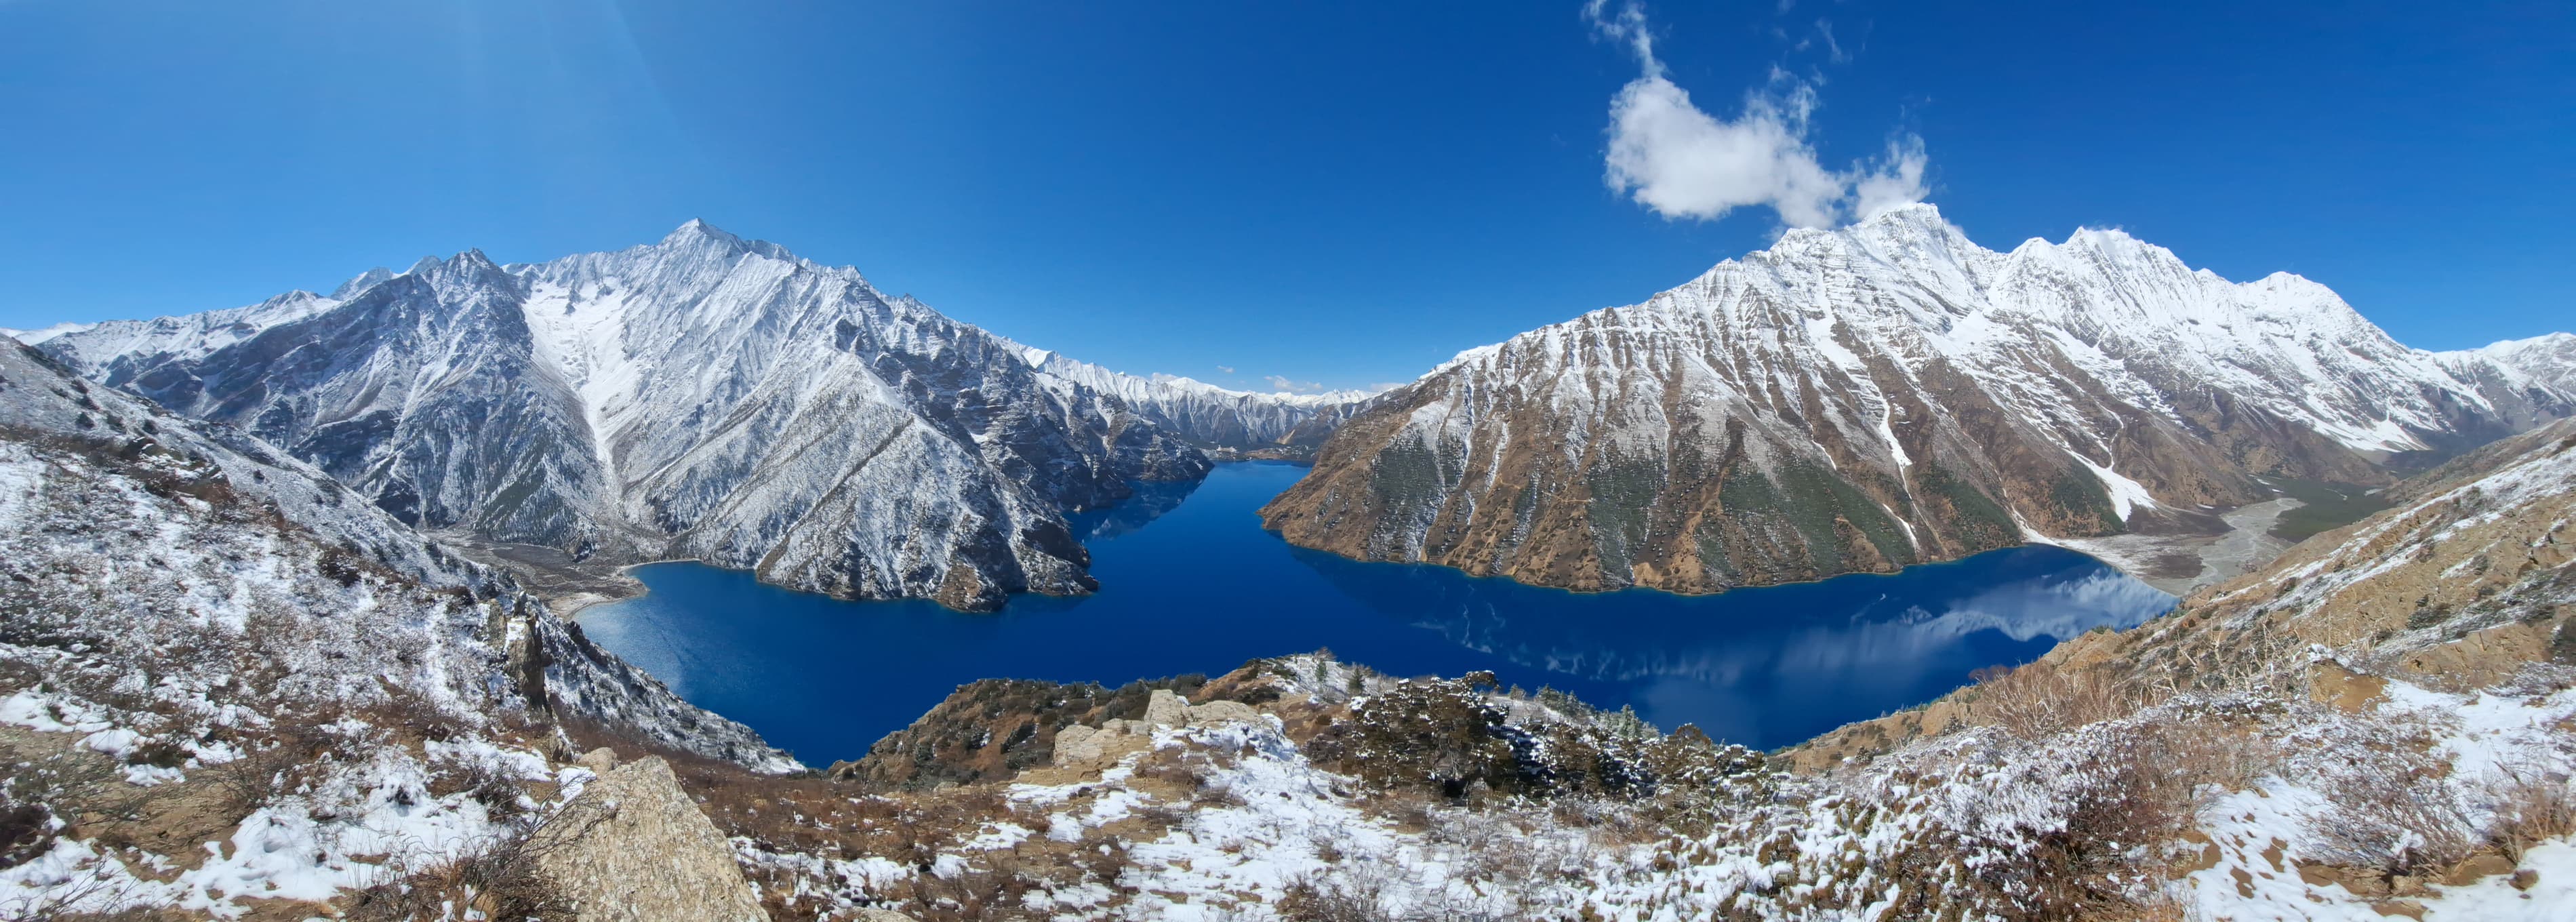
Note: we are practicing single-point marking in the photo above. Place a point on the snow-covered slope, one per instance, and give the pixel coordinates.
(1860, 399)
(134, 542)
(34, 337)
(705, 396)
(1205, 413)
(2518, 374)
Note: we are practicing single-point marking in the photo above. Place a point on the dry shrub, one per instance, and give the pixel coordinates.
(25, 832)
(2391, 814)
(2040, 700)
(1354, 895)
(500, 880)
(483, 781)
(1434, 734)
(2531, 807)
(2135, 789)
(265, 768)
(76, 784)
(1361, 891)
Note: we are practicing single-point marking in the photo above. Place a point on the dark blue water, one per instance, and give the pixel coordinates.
(1190, 583)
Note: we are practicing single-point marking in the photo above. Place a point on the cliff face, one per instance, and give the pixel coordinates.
(1860, 400)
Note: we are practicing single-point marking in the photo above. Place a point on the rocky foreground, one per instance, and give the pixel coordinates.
(231, 688)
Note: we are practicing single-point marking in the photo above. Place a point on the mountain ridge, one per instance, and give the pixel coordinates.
(704, 396)
(1883, 394)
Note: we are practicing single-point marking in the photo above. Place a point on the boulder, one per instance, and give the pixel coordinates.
(1078, 743)
(1215, 712)
(1165, 709)
(634, 848)
(600, 761)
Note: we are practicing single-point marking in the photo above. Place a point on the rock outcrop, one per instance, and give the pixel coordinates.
(634, 848)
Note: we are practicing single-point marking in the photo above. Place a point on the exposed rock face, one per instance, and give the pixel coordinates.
(704, 397)
(1166, 709)
(634, 848)
(1864, 399)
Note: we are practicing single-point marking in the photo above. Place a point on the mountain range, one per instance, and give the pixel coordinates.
(1854, 400)
(703, 397)
(1890, 393)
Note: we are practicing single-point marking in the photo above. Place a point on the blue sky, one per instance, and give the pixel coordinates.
(1337, 193)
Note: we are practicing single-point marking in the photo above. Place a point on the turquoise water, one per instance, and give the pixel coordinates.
(1190, 583)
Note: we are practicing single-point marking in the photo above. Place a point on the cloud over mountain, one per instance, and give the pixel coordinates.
(1670, 155)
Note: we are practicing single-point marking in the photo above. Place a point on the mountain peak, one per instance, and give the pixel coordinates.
(1910, 212)
(360, 283)
(698, 233)
(698, 229)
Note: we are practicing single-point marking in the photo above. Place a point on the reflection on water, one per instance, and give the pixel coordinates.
(1151, 500)
(1736, 663)
(1190, 583)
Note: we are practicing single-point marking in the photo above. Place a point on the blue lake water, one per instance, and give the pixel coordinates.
(1189, 582)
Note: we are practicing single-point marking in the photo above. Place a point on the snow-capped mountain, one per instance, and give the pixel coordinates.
(33, 337)
(705, 396)
(1888, 393)
(135, 542)
(2509, 371)
(1205, 413)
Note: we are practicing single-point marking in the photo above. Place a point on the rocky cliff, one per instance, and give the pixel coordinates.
(1891, 393)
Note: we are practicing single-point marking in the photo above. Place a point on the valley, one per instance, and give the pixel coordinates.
(1199, 588)
(1581, 461)
(1728, 605)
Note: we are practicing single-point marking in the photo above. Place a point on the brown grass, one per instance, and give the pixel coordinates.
(2039, 699)
(2392, 815)
(499, 879)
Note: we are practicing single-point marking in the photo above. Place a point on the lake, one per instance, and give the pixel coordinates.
(1189, 582)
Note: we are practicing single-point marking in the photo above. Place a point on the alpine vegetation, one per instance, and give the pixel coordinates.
(227, 680)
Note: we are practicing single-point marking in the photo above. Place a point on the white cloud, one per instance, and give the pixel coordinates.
(1674, 157)
(1898, 180)
(1228, 369)
(1282, 383)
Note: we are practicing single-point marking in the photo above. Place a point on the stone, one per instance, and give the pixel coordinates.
(1077, 743)
(1165, 709)
(882, 915)
(1215, 712)
(2525, 879)
(634, 848)
(600, 761)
